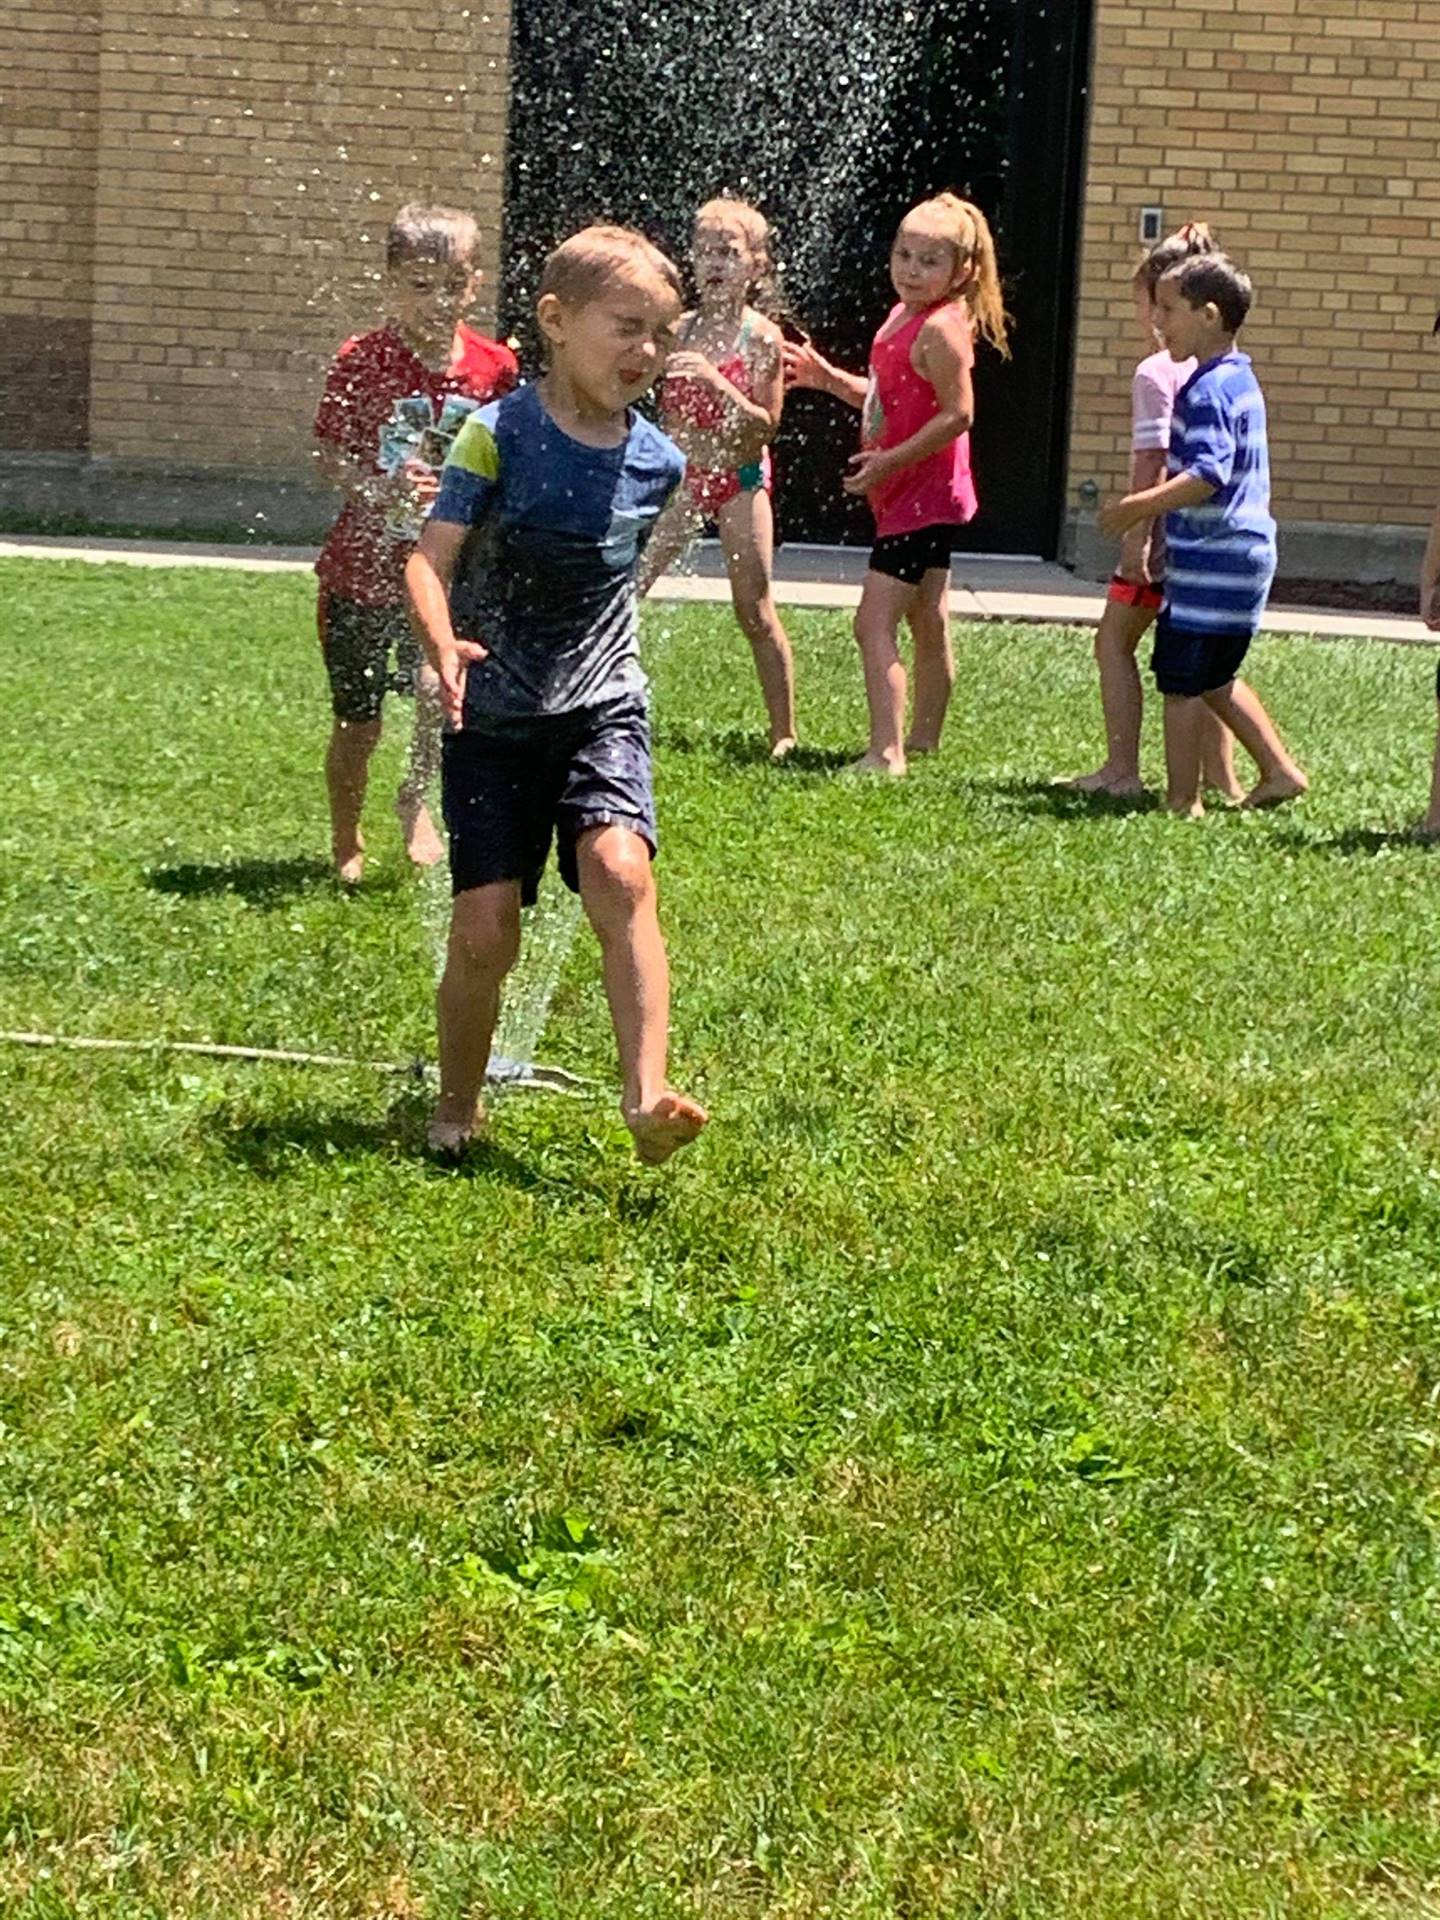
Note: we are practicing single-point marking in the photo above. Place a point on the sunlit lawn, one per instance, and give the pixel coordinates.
(994, 1473)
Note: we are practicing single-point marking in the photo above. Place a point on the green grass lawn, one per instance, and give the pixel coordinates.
(996, 1472)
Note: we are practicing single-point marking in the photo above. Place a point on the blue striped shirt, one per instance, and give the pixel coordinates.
(1221, 556)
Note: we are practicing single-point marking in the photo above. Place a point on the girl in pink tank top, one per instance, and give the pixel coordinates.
(720, 402)
(914, 460)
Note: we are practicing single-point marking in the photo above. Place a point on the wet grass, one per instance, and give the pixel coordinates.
(994, 1474)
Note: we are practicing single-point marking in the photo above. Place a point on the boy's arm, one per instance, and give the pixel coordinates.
(804, 367)
(946, 357)
(1430, 577)
(467, 486)
(1206, 448)
(428, 573)
(1185, 490)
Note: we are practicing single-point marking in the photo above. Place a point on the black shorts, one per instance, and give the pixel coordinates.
(910, 556)
(507, 791)
(357, 643)
(1190, 663)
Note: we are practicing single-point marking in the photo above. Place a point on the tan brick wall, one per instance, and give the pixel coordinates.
(49, 94)
(1307, 132)
(243, 157)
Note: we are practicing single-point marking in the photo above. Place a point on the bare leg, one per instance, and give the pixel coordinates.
(884, 603)
(347, 772)
(929, 622)
(483, 947)
(617, 888)
(1429, 827)
(1280, 779)
(676, 528)
(1121, 702)
(422, 843)
(1217, 757)
(1182, 755)
(747, 536)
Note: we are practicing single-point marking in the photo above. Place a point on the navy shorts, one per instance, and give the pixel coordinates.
(358, 643)
(508, 790)
(910, 556)
(1190, 663)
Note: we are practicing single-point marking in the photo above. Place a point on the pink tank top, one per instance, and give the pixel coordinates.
(938, 490)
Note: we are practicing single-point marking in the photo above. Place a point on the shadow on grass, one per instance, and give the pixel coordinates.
(263, 883)
(1351, 842)
(744, 749)
(271, 1148)
(1061, 802)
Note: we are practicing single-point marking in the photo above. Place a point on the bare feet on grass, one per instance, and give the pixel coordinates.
(452, 1129)
(891, 766)
(422, 843)
(1119, 786)
(1186, 808)
(782, 749)
(350, 863)
(1287, 783)
(659, 1130)
(1232, 796)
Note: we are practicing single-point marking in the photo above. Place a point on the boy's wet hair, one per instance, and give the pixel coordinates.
(443, 234)
(581, 268)
(1173, 251)
(1213, 279)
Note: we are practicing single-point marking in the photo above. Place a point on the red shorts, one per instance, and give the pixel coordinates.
(1135, 593)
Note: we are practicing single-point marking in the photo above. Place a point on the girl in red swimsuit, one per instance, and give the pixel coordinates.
(721, 403)
(914, 460)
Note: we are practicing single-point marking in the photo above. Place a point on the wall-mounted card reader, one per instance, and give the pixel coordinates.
(1152, 225)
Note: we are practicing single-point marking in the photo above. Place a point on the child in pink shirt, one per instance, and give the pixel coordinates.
(1136, 590)
(914, 460)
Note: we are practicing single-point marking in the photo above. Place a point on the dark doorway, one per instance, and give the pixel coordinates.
(833, 118)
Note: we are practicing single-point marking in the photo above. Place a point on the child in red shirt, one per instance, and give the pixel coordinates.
(407, 368)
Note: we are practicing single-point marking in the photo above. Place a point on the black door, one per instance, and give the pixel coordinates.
(833, 116)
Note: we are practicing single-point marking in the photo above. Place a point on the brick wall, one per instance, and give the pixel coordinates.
(49, 95)
(192, 183)
(1307, 132)
(241, 159)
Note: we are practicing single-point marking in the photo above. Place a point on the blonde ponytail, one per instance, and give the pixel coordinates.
(977, 271)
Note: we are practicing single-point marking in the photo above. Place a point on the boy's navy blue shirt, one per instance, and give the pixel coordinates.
(546, 577)
(1220, 557)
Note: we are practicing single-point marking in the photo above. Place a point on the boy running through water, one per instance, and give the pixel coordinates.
(420, 358)
(523, 591)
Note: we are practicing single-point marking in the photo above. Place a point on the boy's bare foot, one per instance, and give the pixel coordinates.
(1120, 786)
(782, 749)
(1232, 796)
(1275, 789)
(350, 864)
(921, 747)
(894, 769)
(422, 843)
(1186, 809)
(1425, 830)
(673, 1121)
(449, 1133)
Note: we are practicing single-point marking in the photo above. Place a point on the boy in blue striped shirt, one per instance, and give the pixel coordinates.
(1219, 536)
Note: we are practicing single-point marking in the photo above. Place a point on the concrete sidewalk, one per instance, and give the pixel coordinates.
(984, 587)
